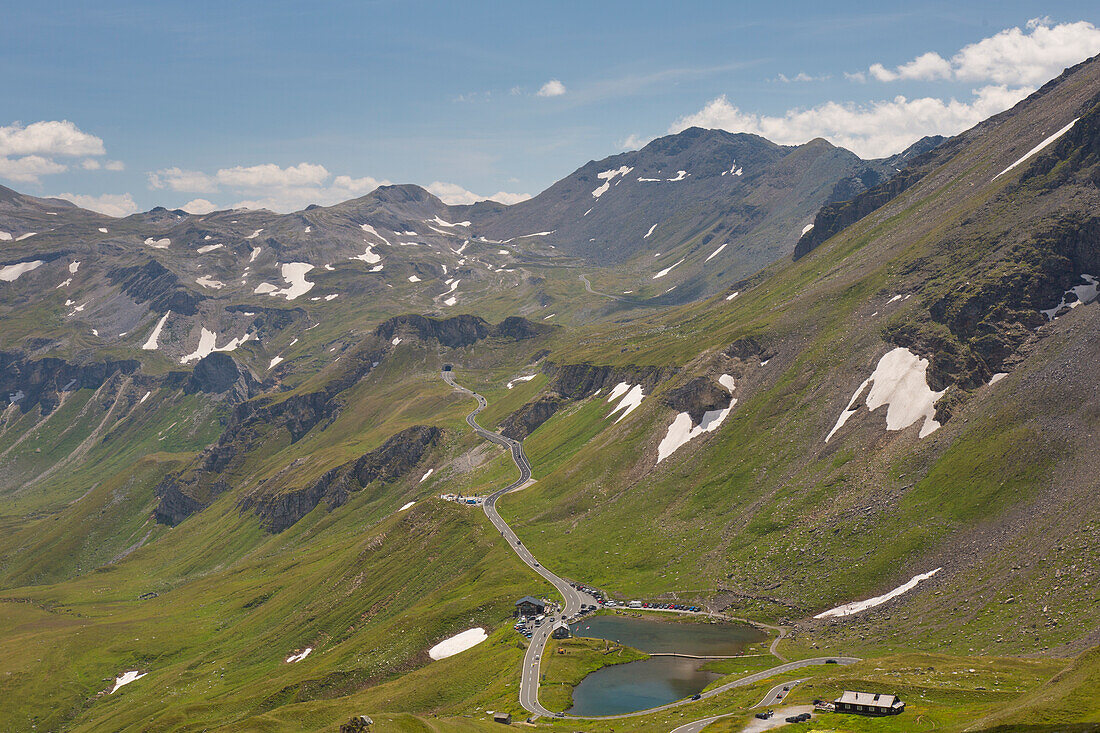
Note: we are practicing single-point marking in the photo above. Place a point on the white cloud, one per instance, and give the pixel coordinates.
(456, 195)
(178, 179)
(110, 204)
(199, 206)
(552, 88)
(270, 175)
(508, 198)
(115, 165)
(1014, 56)
(632, 142)
(926, 66)
(869, 130)
(27, 169)
(48, 138)
(90, 164)
(801, 77)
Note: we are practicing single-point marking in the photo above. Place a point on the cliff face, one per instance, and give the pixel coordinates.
(30, 383)
(394, 459)
(576, 382)
(220, 374)
(156, 284)
(256, 420)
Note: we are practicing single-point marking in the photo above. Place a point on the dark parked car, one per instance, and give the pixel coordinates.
(830, 661)
(765, 715)
(696, 696)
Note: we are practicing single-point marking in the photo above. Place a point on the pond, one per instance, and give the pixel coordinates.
(626, 688)
(654, 636)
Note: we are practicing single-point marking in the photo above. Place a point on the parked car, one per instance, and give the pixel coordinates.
(830, 661)
(765, 715)
(696, 696)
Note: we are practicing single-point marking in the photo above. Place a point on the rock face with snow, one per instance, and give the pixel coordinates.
(220, 374)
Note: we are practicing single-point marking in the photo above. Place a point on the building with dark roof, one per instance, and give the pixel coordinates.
(529, 606)
(868, 703)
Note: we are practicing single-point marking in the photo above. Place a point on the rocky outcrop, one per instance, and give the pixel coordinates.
(459, 331)
(576, 382)
(31, 383)
(699, 395)
(220, 374)
(156, 284)
(396, 458)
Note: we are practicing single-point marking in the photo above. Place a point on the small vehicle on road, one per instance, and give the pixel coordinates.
(696, 696)
(765, 715)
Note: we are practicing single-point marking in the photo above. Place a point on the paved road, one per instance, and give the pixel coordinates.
(529, 678)
(777, 694)
(588, 287)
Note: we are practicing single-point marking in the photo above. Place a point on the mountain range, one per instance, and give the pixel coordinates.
(764, 380)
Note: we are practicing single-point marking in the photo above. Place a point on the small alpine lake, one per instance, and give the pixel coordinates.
(626, 688)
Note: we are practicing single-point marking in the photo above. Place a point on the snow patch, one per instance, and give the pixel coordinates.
(369, 256)
(448, 224)
(807, 228)
(997, 377)
(254, 234)
(5, 236)
(11, 273)
(715, 253)
(414, 279)
(1037, 148)
(406, 506)
(649, 232)
(207, 282)
(158, 243)
(668, 269)
(458, 643)
(607, 177)
(900, 382)
(1084, 294)
(632, 396)
(680, 432)
(515, 381)
(274, 360)
(855, 607)
(208, 345)
(103, 230)
(28, 235)
(733, 295)
(126, 678)
(295, 275)
(370, 230)
(299, 656)
(210, 248)
(73, 267)
(426, 475)
(680, 175)
(726, 381)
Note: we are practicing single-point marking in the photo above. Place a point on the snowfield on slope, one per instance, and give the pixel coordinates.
(681, 431)
(126, 678)
(11, 273)
(607, 177)
(458, 643)
(1083, 294)
(856, 606)
(208, 345)
(1038, 148)
(900, 382)
(629, 398)
(151, 343)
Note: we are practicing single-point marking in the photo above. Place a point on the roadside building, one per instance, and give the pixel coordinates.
(561, 631)
(505, 718)
(868, 703)
(529, 606)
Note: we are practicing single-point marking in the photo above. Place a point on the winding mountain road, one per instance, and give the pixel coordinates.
(529, 677)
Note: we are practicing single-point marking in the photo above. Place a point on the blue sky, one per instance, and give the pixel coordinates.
(216, 103)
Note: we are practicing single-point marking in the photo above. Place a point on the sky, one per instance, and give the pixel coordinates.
(122, 106)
